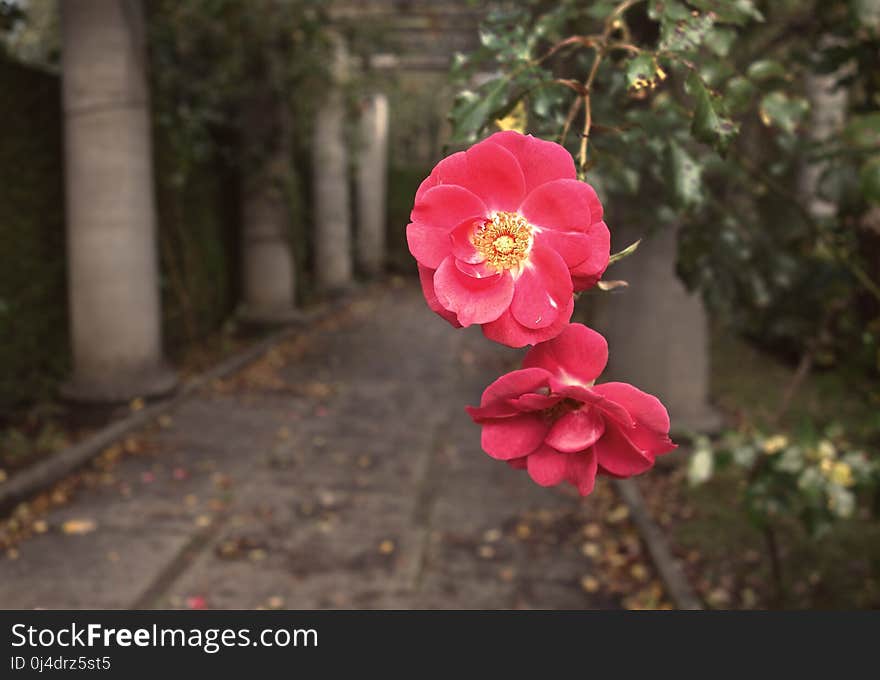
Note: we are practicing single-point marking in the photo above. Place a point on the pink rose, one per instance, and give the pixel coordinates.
(504, 233)
(551, 419)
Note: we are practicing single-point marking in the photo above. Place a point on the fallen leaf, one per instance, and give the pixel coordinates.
(78, 527)
(492, 535)
(589, 584)
(592, 530)
(487, 552)
(618, 514)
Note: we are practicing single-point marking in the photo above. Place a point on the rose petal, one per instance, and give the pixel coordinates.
(429, 245)
(447, 206)
(541, 161)
(454, 165)
(535, 402)
(508, 331)
(426, 277)
(480, 270)
(618, 456)
(575, 247)
(461, 244)
(474, 300)
(547, 467)
(508, 438)
(518, 463)
(498, 400)
(590, 270)
(581, 472)
(563, 204)
(576, 356)
(515, 384)
(542, 289)
(486, 169)
(650, 431)
(576, 431)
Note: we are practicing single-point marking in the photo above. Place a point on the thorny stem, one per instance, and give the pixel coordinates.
(602, 48)
(588, 110)
(775, 562)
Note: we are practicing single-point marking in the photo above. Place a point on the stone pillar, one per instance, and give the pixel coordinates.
(828, 105)
(115, 318)
(269, 273)
(333, 256)
(657, 332)
(372, 180)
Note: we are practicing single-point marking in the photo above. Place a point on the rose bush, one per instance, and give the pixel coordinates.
(551, 419)
(504, 233)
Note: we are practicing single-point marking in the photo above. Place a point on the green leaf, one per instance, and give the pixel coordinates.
(737, 12)
(738, 94)
(686, 34)
(720, 40)
(709, 126)
(782, 111)
(472, 111)
(766, 69)
(869, 180)
(670, 10)
(626, 252)
(641, 72)
(867, 13)
(864, 130)
(687, 180)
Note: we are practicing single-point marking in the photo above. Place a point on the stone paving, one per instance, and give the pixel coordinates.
(338, 471)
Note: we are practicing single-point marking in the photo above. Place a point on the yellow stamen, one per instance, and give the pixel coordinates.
(505, 240)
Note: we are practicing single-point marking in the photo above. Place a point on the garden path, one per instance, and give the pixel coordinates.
(340, 470)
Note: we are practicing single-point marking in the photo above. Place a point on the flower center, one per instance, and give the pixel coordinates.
(504, 240)
(554, 413)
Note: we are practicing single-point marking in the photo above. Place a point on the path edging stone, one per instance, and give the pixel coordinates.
(677, 585)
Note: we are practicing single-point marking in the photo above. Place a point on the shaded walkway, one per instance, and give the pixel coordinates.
(340, 470)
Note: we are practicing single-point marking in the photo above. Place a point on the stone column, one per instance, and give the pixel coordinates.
(115, 318)
(657, 332)
(828, 105)
(333, 256)
(372, 179)
(269, 274)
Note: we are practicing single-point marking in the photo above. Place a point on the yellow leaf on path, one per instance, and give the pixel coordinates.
(589, 584)
(618, 514)
(77, 527)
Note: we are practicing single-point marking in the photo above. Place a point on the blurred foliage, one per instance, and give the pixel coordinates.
(33, 292)
(817, 477)
(30, 32)
(700, 111)
(214, 60)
